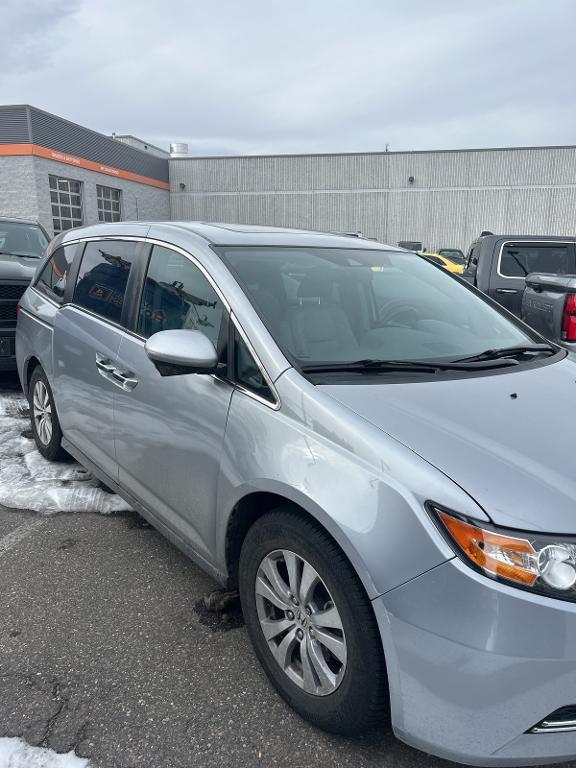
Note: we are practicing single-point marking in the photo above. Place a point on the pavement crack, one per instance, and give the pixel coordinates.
(81, 735)
(63, 701)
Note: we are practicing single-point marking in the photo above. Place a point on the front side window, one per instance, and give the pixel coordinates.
(66, 201)
(108, 200)
(177, 295)
(326, 305)
(103, 277)
(52, 278)
(19, 239)
(519, 259)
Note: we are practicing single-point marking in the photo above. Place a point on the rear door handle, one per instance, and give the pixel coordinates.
(507, 290)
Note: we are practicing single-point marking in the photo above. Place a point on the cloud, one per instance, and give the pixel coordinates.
(30, 30)
(308, 76)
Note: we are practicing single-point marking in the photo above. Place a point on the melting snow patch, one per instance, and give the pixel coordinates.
(28, 481)
(14, 753)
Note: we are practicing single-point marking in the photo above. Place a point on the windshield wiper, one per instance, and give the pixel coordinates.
(19, 255)
(508, 352)
(418, 366)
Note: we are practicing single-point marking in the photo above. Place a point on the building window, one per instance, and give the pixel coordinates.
(108, 203)
(66, 198)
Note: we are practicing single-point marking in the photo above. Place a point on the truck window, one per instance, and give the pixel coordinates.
(472, 259)
(519, 259)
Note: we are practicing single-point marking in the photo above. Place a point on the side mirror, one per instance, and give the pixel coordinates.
(181, 351)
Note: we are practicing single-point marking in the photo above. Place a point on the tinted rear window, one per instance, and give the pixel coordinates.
(519, 259)
(103, 277)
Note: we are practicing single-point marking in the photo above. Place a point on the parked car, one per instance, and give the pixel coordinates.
(280, 404)
(454, 254)
(443, 262)
(410, 245)
(22, 243)
(498, 264)
(549, 306)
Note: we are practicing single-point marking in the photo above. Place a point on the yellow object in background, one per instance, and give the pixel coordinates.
(442, 261)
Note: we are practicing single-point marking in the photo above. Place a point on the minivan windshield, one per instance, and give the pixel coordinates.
(326, 305)
(21, 239)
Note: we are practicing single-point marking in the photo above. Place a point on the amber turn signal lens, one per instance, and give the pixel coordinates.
(503, 556)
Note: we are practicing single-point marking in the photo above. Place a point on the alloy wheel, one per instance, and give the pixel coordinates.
(300, 622)
(42, 412)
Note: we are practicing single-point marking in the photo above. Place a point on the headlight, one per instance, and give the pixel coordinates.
(536, 562)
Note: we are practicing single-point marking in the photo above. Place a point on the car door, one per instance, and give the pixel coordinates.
(87, 333)
(516, 259)
(170, 428)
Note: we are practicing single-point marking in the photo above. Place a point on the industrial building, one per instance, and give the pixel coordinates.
(64, 175)
(440, 198)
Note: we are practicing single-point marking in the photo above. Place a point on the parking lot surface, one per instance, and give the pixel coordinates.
(105, 650)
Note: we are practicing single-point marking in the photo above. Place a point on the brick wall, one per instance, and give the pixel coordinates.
(139, 201)
(25, 193)
(18, 188)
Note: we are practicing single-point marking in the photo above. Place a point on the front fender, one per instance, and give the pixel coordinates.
(374, 514)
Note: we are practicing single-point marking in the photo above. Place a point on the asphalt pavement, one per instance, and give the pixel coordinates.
(105, 649)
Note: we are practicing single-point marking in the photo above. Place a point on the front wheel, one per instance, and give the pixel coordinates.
(311, 624)
(45, 424)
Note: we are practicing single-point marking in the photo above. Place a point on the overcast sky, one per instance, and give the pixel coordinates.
(275, 76)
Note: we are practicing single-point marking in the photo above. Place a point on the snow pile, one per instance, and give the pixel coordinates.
(28, 481)
(14, 753)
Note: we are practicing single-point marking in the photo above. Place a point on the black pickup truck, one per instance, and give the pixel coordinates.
(22, 244)
(549, 306)
(499, 264)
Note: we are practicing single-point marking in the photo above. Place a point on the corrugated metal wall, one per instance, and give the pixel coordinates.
(22, 124)
(453, 197)
(59, 134)
(14, 128)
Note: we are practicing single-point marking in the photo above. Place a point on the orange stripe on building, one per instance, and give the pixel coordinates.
(36, 150)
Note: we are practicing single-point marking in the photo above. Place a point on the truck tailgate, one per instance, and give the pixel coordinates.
(544, 301)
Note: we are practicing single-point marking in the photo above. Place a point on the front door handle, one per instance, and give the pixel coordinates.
(104, 364)
(507, 290)
(125, 380)
(105, 367)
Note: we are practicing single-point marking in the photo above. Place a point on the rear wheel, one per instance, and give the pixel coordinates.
(45, 424)
(311, 624)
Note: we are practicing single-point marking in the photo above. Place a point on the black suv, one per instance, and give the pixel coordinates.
(22, 243)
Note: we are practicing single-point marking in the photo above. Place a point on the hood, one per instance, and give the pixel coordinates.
(507, 439)
(17, 267)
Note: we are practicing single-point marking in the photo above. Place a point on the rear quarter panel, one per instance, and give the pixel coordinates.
(34, 334)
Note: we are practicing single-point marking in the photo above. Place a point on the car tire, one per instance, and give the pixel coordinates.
(341, 688)
(45, 425)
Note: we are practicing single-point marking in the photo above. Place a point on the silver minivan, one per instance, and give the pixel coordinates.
(379, 458)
